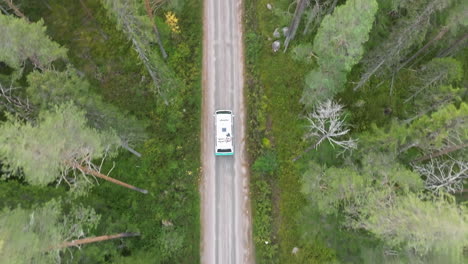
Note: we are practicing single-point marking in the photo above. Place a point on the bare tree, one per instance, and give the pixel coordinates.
(327, 122)
(300, 8)
(15, 104)
(316, 14)
(444, 151)
(88, 240)
(15, 9)
(445, 175)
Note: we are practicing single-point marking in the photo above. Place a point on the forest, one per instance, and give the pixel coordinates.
(91, 95)
(358, 130)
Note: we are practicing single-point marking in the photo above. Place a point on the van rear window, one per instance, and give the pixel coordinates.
(224, 150)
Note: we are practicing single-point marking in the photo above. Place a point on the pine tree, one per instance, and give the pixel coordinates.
(138, 28)
(41, 234)
(60, 146)
(32, 236)
(339, 46)
(420, 224)
(49, 88)
(409, 31)
(21, 41)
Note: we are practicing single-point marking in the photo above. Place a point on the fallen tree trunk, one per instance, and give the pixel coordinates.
(300, 7)
(89, 240)
(107, 178)
(440, 153)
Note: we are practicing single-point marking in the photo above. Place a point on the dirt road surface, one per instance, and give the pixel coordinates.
(225, 209)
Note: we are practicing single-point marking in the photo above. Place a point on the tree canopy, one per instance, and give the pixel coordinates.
(42, 152)
(339, 46)
(34, 235)
(422, 224)
(49, 88)
(21, 41)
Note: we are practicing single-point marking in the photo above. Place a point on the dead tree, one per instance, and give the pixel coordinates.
(15, 9)
(452, 48)
(328, 123)
(443, 175)
(441, 152)
(316, 14)
(88, 240)
(300, 7)
(15, 104)
(85, 166)
(424, 48)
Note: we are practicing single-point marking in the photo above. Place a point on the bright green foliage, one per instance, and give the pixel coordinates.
(340, 38)
(321, 85)
(331, 187)
(266, 164)
(27, 234)
(339, 46)
(431, 132)
(32, 236)
(44, 150)
(421, 225)
(263, 221)
(49, 88)
(385, 170)
(388, 139)
(458, 17)
(450, 68)
(426, 133)
(431, 89)
(20, 40)
(171, 241)
(302, 52)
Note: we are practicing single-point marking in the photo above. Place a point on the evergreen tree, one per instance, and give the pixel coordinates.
(419, 224)
(433, 89)
(20, 41)
(332, 188)
(408, 32)
(34, 235)
(60, 146)
(430, 133)
(339, 46)
(137, 26)
(49, 88)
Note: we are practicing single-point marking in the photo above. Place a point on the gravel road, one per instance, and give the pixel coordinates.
(225, 208)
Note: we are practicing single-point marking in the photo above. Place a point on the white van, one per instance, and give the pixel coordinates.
(224, 138)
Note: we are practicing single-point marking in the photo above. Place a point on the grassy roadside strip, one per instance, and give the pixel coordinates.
(265, 242)
(274, 83)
